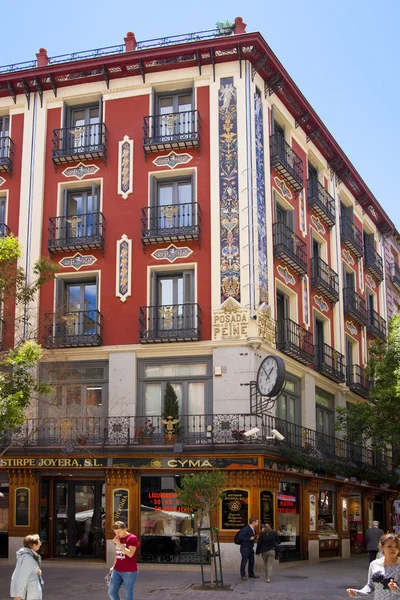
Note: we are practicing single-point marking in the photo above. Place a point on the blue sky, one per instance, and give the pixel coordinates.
(344, 55)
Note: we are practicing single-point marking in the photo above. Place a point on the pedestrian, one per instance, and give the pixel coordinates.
(247, 538)
(384, 573)
(372, 537)
(26, 580)
(268, 546)
(124, 569)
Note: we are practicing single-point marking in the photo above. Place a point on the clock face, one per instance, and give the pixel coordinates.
(271, 376)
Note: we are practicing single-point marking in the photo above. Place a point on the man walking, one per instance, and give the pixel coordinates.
(372, 537)
(247, 538)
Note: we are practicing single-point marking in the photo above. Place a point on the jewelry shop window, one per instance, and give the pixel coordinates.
(327, 514)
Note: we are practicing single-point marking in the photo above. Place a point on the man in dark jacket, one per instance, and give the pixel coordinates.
(372, 537)
(247, 538)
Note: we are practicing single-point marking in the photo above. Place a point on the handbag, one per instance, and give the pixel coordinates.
(277, 551)
(107, 579)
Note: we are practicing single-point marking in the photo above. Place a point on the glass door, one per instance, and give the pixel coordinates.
(170, 302)
(81, 213)
(81, 304)
(4, 133)
(174, 114)
(85, 127)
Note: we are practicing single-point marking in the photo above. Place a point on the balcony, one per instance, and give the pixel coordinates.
(357, 380)
(324, 279)
(289, 248)
(395, 275)
(354, 306)
(172, 223)
(286, 162)
(85, 142)
(295, 341)
(75, 329)
(171, 131)
(6, 154)
(351, 236)
(2, 331)
(169, 323)
(376, 325)
(373, 263)
(4, 230)
(321, 202)
(329, 362)
(76, 232)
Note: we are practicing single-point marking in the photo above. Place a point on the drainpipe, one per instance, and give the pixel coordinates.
(249, 144)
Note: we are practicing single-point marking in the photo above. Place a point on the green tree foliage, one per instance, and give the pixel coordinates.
(171, 406)
(202, 492)
(378, 420)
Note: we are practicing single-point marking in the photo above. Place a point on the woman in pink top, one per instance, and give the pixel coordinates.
(124, 569)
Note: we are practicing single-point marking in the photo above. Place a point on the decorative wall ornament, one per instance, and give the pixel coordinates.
(172, 159)
(286, 275)
(77, 261)
(361, 274)
(261, 213)
(370, 280)
(2, 180)
(281, 185)
(266, 324)
(320, 302)
(231, 321)
(125, 167)
(351, 327)
(302, 214)
(348, 257)
(229, 196)
(319, 228)
(124, 268)
(306, 301)
(80, 171)
(172, 253)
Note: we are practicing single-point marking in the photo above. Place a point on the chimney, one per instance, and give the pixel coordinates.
(130, 42)
(239, 27)
(42, 58)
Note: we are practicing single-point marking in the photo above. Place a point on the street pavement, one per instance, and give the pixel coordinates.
(85, 581)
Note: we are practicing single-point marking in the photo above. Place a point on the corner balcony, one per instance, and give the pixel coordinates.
(169, 323)
(354, 306)
(324, 279)
(172, 131)
(376, 325)
(295, 341)
(285, 160)
(171, 223)
(76, 232)
(6, 154)
(329, 362)
(321, 202)
(75, 329)
(373, 263)
(351, 237)
(357, 380)
(4, 230)
(395, 275)
(289, 248)
(84, 142)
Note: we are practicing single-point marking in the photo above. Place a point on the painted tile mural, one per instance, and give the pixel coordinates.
(229, 196)
(260, 178)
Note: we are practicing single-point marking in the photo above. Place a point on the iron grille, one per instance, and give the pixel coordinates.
(324, 279)
(175, 222)
(395, 275)
(330, 362)
(6, 154)
(373, 263)
(321, 202)
(171, 131)
(376, 325)
(83, 142)
(4, 230)
(351, 236)
(286, 162)
(76, 232)
(290, 248)
(169, 323)
(354, 306)
(295, 341)
(357, 380)
(78, 328)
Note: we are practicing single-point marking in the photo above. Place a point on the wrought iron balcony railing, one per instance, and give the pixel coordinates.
(4, 230)
(169, 323)
(329, 362)
(321, 202)
(357, 380)
(395, 275)
(324, 279)
(373, 263)
(171, 223)
(2, 331)
(73, 329)
(83, 142)
(289, 248)
(212, 430)
(6, 154)
(376, 325)
(295, 341)
(286, 162)
(76, 232)
(354, 306)
(171, 131)
(351, 236)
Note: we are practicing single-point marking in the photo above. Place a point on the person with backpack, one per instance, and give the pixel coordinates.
(246, 537)
(268, 547)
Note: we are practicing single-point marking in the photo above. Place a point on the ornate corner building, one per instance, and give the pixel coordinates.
(202, 217)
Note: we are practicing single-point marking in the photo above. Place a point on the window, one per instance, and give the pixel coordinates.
(2, 210)
(287, 407)
(84, 125)
(173, 298)
(312, 172)
(77, 303)
(324, 415)
(172, 203)
(279, 130)
(346, 211)
(349, 351)
(4, 133)
(81, 211)
(282, 215)
(326, 514)
(174, 113)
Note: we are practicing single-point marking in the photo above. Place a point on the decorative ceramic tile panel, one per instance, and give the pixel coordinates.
(261, 213)
(361, 274)
(125, 167)
(124, 268)
(283, 188)
(306, 301)
(370, 281)
(348, 257)
(286, 275)
(302, 214)
(80, 171)
(172, 253)
(2, 180)
(77, 261)
(320, 302)
(315, 221)
(229, 193)
(172, 159)
(351, 327)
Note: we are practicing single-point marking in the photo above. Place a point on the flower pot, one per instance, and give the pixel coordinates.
(146, 441)
(170, 440)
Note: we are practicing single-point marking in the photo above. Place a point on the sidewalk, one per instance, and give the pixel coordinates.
(80, 580)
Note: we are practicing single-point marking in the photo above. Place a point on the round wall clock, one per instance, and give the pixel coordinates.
(271, 376)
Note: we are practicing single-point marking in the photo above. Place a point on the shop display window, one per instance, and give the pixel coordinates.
(356, 527)
(288, 516)
(326, 514)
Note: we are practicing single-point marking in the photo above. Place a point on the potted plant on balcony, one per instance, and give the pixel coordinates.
(145, 432)
(225, 27)
(170, 415)
(238, 434)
